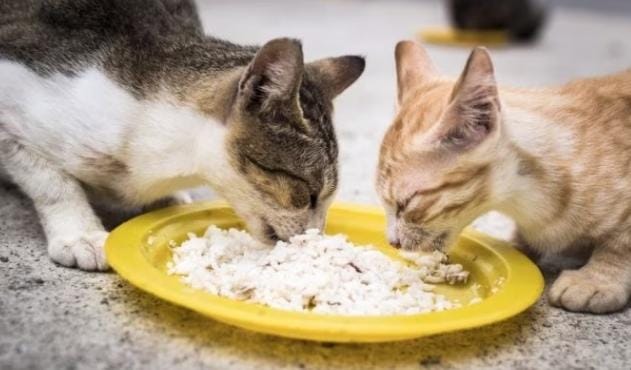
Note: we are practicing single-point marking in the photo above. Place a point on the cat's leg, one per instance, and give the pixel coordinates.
(602, 285)
(75, 235)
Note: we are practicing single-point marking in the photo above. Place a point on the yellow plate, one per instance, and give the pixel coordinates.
(466, 38)
(505, 280)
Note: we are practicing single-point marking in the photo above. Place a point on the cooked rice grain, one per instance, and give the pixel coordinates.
(315, 272)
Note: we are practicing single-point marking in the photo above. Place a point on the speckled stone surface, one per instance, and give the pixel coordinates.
(58, 318)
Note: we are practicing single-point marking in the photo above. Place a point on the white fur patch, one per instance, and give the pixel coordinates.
(75, 122)
(60, 116)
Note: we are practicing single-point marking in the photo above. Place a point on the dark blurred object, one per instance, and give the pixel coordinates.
(522, 19)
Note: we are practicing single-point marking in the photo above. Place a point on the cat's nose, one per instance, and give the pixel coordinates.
(394, 241)
(393, 235)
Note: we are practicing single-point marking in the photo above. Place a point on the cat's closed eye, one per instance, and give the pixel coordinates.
(401, 206)
(286, 188)
(275, 171)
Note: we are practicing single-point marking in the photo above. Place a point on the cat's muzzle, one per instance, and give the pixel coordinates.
(415, 239)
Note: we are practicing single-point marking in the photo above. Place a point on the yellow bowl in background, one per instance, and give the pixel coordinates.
(463, 38)
(505, 280)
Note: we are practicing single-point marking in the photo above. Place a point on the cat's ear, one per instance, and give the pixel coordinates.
(274, 75)
(413, 67)
(334, 75)
(474, 109)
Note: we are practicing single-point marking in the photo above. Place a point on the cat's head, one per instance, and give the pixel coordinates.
(437, 158)
(281, 141)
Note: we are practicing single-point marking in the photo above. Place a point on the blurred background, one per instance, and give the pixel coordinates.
(579, 38)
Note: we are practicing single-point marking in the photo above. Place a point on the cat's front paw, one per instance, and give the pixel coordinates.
(83, 250)
(587, 291)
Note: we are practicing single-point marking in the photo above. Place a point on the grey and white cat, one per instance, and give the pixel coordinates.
(128, 102)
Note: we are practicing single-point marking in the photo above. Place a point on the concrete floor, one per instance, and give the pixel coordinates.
(53, 317)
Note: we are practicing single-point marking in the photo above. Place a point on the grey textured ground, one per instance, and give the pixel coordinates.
(53, 317)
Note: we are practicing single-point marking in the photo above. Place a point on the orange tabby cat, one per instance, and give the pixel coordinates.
(557, 160)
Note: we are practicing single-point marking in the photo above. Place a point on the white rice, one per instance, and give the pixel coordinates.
(315, 272)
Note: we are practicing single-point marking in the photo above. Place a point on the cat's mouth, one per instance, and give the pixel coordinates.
(424, 241)
(439, 241)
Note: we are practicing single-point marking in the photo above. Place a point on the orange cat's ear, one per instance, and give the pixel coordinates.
(474, 107)
(478, 78)
(413, 67)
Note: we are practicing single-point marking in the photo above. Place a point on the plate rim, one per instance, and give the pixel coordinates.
(510, 300)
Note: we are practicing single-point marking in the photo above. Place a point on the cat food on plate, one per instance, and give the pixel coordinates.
(314, 272)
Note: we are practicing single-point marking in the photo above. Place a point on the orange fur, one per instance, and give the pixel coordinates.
(557, 160)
